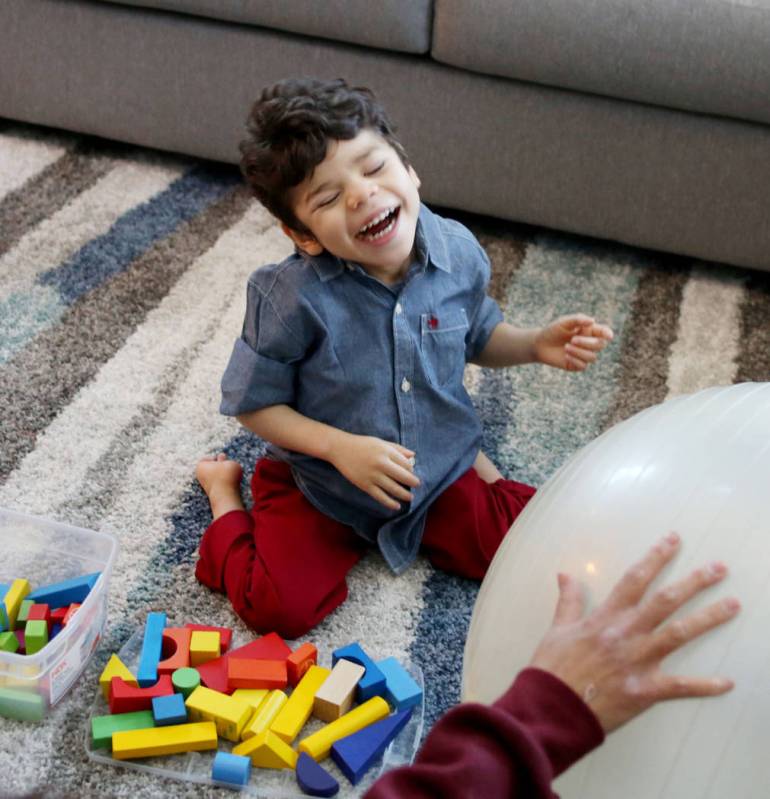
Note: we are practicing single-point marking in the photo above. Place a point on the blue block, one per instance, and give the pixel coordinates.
(231, 769)
(169, 710)
(67, 592)
(147, 673)
(55, 630)
(373, 681)
(314, 780)
(357, 753)
(401, 690)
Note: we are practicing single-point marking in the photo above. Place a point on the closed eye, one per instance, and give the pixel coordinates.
(375, 170)
(329, 201)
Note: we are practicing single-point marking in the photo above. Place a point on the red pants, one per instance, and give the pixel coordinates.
(284, 564)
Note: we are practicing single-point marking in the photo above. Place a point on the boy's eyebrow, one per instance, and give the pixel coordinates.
(356, 160)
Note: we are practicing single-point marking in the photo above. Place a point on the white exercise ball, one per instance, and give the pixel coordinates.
(697, 464)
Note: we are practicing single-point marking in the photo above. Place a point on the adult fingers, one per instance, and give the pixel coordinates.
(665, 601)
(677, 633)
(676, 687)
(634, 583)
(571, 603)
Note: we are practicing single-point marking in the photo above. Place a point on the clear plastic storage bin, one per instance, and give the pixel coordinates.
(44, 552)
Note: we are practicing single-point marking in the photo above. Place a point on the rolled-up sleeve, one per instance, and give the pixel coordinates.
(485, 312)
(262, 369)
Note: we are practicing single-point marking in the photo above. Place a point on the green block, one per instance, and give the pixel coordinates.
(102, 727)
(185, 681)
(21, 619)
(21, 705)
(35, 636)
(8, 642)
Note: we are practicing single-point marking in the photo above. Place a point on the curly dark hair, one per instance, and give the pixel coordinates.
(290, 127)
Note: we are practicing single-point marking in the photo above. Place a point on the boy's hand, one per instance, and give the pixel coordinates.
(380, 468)
(571, 342)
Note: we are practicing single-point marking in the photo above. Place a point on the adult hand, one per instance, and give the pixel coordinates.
(612, 657)
(571, 342)
(382, 469)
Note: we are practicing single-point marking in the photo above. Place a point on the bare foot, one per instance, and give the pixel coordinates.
(487, 470)
(220, 478)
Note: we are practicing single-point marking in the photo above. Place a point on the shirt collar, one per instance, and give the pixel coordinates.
(429, 247)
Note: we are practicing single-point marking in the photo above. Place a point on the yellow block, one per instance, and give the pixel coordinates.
(319, 744)
(230, 715)
(13, 599)
(253, 697)
(115, 668)
(265, 715)
(204, 646)
(267, 750)
(297, 710)
(164, 740)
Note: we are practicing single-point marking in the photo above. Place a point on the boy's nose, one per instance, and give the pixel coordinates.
(361, 192)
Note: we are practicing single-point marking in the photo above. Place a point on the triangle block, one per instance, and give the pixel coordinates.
(356, 754)
(268, 647)
(313, 779)
(115, 668)
(267, 750)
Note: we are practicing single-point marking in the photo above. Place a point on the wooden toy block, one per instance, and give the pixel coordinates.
(125, 698)
(164, 740)
(71, 611)
(55, 630)
(230, 715)
(268, 647)
(115, 668)
(14, 596)
(265, 715)
(373, 681)
(225, 634)
(175, 650)
(57, 614)
(270, 674)
(267, 750)
(319, 744)
(297, 710)
(185, 681)
(231, 769)
(169, 710)
(401, 690)
(335, 697)
(35, 636)
(4, 623)
(102, 727)
(147, 673)
(38, 613)
(299, 661)
(313, 779)
(66, 592)
(357, 753)
(204, 646)
(253, 697)
(8, 642)
(21, 618)
(22, 643)
(21, 704)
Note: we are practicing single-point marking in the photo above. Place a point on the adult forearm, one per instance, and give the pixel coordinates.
(508, 346)
(285, 427)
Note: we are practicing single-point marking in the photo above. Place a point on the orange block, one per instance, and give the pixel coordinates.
(175, 649)
(243, 673)
(299, 661)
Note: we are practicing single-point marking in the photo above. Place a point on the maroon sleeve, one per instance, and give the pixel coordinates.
(513, 748)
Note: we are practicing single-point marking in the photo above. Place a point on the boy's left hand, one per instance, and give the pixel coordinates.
(571, 342)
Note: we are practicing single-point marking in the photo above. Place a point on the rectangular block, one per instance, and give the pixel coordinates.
(175, 650)
(225, 634)
(147, 672)
(35, 636)
(39, 612)
(373, 681)
(21, 618)
(102, 727)
(335, 697)
(168, 710)
(254, 697)
(293, 715)
(164, 740)
(401, 690)
(299, 661)
(14, 596)
(264, 716)
(268, 647)
(66, 592)
(270, 674)
(20, 704)
(230, 715)
(204, 646)
(8, 642)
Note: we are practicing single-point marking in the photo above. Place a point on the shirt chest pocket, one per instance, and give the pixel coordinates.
(442, 339)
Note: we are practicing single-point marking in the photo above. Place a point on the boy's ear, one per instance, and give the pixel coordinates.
(415, 177)
(305, 241)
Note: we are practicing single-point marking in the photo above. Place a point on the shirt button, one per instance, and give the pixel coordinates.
(398, 308)
(405, 385)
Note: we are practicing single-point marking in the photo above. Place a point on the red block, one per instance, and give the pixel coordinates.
(58, 614)
(176, 649)
(40, 613)
(299, 661)
(268, 647)
(225, 634)
(243, 673)
(71, 610)
(125, 698)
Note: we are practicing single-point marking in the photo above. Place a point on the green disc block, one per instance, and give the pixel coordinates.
(185, 681)
(21, 705)
(102, 727)
(8, 642)
(35, 636)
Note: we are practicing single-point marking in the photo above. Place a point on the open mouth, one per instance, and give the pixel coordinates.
(380, 226)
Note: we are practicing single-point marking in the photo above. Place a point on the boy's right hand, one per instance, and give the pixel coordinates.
(380, 468)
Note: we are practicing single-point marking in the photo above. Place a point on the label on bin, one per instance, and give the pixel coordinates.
(63, 674)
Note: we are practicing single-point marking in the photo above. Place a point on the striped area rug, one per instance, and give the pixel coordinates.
(122, 277)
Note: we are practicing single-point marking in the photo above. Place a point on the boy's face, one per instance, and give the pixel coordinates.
(361, 204)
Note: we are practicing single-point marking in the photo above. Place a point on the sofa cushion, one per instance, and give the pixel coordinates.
(402, 25)
(709, 56)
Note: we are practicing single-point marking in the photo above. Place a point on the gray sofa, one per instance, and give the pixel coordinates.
(642, 122)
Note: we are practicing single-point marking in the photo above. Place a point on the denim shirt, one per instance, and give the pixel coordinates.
(339, 346)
